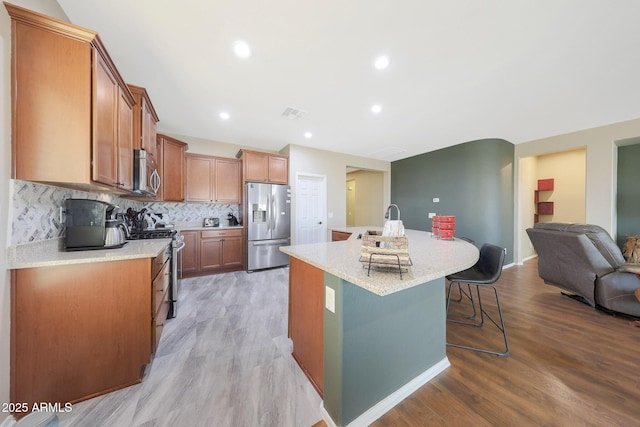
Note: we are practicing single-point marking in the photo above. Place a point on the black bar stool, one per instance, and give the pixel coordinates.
(485, 272)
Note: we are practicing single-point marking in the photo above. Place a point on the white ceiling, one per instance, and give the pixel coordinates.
(460, 70)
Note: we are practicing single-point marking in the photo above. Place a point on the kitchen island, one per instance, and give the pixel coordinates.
(367, 341)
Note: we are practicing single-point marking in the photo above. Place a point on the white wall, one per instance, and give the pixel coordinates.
(206, 146)
(601, 172)
(334, 167)
(51, 8)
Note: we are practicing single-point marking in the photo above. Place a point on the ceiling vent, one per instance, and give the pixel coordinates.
(293, 113)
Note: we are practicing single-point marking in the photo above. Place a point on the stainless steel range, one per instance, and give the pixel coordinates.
(177, 244)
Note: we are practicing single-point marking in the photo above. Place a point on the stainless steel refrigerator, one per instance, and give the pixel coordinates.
(268, 224)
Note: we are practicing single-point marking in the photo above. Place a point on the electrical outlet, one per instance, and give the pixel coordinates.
(61, 214)
(330, 299)
(432, 214)
(436, 200)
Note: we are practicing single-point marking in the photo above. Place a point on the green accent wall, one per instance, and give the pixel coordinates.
(375, 345)
(474, 181)
(628, 197)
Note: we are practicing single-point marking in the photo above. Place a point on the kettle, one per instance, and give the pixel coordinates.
(233, 221)
(114, 233)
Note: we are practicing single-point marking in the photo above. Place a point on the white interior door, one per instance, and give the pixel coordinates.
(311, 203)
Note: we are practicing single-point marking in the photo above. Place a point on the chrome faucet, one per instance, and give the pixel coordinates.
(386, 215)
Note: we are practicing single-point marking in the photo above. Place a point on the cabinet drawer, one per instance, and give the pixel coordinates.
(213, 234)
(160, 286)
(159, 321)
(159, 261)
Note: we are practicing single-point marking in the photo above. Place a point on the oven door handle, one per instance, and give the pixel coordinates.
(181, 247)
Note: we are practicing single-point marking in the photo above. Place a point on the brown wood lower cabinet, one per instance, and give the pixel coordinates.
(337, 236)
(212, 251)
(306, 319)
(161, 276)
(79, 330)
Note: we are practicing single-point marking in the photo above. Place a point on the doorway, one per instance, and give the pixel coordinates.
(365, 198)
(311, 202)
(351, 203)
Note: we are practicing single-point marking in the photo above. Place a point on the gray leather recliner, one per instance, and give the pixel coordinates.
(584, 260)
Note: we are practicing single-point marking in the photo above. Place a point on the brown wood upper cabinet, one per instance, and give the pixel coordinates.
(71, 122)
(173, 168)
(212, 179)
(264, 167)
(145, 121)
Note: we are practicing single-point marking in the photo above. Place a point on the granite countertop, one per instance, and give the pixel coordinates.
(197, 225)
(432, 258)
(51, 253)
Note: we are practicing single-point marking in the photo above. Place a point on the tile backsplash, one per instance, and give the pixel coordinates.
(36, 210)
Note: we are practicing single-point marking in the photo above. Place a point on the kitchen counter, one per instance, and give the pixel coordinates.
(367, 342)
(432, 258)
(197, 226)
(51, 253)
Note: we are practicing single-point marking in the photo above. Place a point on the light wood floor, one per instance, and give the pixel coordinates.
(225, 361)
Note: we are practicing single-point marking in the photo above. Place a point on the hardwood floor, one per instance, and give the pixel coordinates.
(569, 365)
(226, 361)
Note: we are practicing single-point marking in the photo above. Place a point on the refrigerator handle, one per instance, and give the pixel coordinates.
(269, 219)
(273, 212)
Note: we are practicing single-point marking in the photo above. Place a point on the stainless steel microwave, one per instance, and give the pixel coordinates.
(146, 179)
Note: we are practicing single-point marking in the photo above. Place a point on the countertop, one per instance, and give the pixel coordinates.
(51, 253)
(432, 258)
(196, 226)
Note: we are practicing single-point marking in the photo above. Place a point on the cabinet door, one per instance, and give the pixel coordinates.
(256, 166)
(71, 341)
(227, 181)
(52, 106)
(199, 171)
(278, 170)
(232, 251)
(191, 252)
(125, 142)
(105, 124)
(148, 129)
(172, 170)
(210, 254)
(306, 319)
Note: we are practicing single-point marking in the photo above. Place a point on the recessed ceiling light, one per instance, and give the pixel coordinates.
(381, 62)
(308, 135)
(224, 115)
(375, 109)
(242, 49)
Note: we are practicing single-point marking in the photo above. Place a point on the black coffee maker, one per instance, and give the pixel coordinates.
(86, 224)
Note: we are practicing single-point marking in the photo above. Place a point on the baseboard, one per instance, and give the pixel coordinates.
(394, 398)
(9, 422)
(508, 265)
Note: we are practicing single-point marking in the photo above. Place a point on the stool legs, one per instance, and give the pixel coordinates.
(500, 325)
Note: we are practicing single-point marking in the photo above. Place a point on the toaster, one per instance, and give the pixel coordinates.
(211, 222)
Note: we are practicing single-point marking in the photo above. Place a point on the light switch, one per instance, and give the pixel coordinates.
(330, 299)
